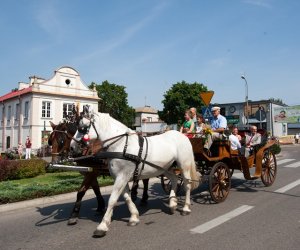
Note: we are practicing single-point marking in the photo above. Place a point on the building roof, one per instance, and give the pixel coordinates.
(146, 109)
(13, 93)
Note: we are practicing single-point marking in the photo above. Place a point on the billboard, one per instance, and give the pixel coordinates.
(287, 114)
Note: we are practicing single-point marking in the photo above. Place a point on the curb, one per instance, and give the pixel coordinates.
(56, 198)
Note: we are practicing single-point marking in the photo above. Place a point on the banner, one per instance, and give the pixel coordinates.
(287, 114)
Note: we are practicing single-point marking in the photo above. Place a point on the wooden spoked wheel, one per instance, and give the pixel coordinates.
(219, 182)
(269, 168)
(167, 185)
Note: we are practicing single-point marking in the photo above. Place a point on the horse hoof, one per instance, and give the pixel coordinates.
(172, 210)
(143, 203)
(184, 213)
(72, 221)
(99, 234)
(132, 223)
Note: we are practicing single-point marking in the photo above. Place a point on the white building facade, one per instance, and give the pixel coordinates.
(27, 110)
(147, 121)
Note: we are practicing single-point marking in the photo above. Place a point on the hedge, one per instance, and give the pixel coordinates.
(20, 169)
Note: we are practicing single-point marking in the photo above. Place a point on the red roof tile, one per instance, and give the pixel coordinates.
(15, 93)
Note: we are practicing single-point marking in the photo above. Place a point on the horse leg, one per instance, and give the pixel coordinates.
(172, 197)
(186, 210)
(81, 192)
(119, 185)
(134, 190)
(145, 192)
(76, 209)
(96, 189)
(134, 218)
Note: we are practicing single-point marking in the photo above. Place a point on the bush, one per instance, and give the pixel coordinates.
(30, 168)
(8, 169)
(19, 169)
(275, 149)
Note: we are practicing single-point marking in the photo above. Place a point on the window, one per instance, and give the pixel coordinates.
(149, 119)
(8, 113)
(46, 109)
(68, 109)
(17, 114)
(26, 111)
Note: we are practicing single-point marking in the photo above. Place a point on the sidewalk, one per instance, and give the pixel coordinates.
(56, 198)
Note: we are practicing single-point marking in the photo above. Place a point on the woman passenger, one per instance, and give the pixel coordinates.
(188, 127)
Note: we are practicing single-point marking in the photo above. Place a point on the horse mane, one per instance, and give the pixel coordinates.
(107, 121)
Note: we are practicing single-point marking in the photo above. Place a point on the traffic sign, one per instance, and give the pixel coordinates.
(206, 97)
(207, 113)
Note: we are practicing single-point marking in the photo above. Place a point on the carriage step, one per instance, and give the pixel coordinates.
(71, 168)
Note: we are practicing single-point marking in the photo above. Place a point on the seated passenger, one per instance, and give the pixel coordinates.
(235, 132)
(194, 115)
(252, 140)
(188, 127)
(200, 125)
(234, 139)
(218, 126)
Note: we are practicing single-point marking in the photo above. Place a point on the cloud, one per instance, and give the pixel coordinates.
(49, 20)
(259, 3)
(125, 37)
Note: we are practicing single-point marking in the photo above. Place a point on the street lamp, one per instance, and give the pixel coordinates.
(246, 98)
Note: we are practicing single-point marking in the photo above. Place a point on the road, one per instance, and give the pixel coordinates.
(252, 217)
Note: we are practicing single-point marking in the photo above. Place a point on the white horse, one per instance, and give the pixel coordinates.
(163, 150)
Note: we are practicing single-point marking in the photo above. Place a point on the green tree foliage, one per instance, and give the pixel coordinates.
(180, 97)
(277, 101)
(114, 101)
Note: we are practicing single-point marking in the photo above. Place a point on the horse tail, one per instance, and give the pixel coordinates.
(195, 176)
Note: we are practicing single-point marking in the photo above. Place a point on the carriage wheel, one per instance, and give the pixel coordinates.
(219, 182)
(269, 168)
(167, 185)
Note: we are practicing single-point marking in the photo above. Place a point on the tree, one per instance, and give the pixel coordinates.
(114, 101)
(277, 101)
(180, 97)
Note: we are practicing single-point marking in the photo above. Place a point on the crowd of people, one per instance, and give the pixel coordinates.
(195, 125)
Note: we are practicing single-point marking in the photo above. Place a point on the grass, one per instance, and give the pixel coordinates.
(43, 185)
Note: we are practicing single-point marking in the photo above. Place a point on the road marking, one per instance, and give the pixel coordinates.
(220, 220)
(288, 187)
(284, 161)
(293, 165)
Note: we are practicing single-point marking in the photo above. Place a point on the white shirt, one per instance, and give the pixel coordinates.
(235, 143)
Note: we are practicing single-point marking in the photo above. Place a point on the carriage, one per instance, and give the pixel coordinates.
(130, 153)
(217, 166)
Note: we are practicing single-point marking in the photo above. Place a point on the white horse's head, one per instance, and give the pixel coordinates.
(96, 126)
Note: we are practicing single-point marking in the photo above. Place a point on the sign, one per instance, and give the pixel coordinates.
(207, 113)
(287, 114)
(233, 119)
(206, 97)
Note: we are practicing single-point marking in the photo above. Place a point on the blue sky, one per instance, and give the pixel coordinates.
(149, 45)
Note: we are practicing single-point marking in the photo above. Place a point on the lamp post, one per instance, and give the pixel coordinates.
(246, 98)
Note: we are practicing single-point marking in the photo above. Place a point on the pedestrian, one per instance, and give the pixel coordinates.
(28, 148)
(20, 150)
(297, 138)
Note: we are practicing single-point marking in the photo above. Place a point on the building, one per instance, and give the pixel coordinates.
(28, 109)
(260, 114)
(147, 121)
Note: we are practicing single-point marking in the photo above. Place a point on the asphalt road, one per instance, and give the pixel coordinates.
(252, 217)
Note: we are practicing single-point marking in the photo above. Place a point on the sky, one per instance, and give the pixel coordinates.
(149, 45)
